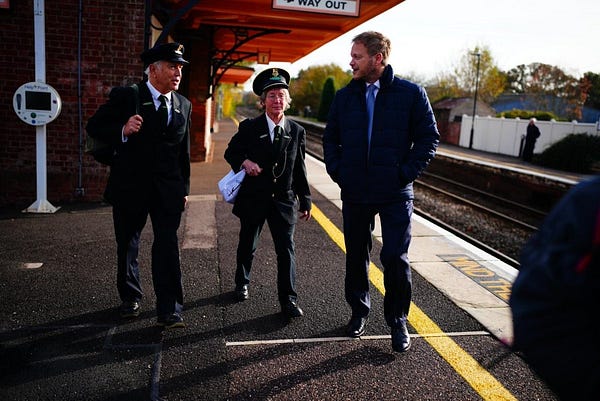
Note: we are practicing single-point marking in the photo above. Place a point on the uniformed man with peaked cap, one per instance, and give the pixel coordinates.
(172, 52)
(150, 176)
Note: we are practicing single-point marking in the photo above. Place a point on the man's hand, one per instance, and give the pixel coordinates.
(133, 125)
(305, 215)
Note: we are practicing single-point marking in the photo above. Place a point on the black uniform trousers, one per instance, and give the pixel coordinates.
(359, 222)
(282, 233)
(166, 265)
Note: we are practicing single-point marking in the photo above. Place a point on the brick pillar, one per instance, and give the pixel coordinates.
(198, 90)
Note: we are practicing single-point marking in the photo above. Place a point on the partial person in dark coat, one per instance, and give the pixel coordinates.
(150, 175)
(375, 164)
(533, 133)
(271, 149)
(556, 296)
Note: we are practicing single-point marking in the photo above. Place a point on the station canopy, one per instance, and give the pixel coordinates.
(263, 31)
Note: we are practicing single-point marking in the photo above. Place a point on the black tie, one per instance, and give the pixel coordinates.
(277, 135)
(163, 112)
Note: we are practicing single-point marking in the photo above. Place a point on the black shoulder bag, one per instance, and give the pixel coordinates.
(104, 152)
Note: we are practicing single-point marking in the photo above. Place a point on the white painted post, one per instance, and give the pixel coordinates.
(41, 205)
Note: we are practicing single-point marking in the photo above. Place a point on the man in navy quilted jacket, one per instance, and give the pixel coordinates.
(374, 156)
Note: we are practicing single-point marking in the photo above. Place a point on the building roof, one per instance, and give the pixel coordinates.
(450, 103)
(255, 26)
(243, 32)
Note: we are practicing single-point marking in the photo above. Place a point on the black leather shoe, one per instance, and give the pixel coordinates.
(356, 327)
(291, 310)
(400, 339)
(171, 321)
(241, 292)
(129, 309)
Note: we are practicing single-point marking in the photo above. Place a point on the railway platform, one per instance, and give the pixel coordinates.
(61, 337)
(509, 163)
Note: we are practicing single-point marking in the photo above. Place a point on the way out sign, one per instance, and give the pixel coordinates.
(339, 7)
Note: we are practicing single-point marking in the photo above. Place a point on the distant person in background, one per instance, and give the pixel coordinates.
(533, 133)
(380, 136)
(555, 299)
(307, 111)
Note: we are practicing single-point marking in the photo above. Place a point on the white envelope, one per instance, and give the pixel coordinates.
(230, 185)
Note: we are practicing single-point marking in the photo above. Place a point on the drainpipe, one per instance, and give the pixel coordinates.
(79, 191)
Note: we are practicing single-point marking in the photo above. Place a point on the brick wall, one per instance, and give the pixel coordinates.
(112, 37)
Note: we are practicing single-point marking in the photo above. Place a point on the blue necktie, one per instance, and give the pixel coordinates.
(370, 107)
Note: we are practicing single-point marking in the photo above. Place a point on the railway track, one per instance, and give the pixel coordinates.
(521, 215)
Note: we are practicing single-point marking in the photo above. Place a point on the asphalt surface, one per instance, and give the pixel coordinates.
(61, 337)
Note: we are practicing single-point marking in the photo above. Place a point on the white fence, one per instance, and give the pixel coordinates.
(503, 135)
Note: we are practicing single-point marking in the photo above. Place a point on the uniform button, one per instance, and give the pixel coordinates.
(274, 179)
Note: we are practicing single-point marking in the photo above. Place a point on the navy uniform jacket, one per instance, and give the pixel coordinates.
(403, 141)
(154, 164)
(283, 179)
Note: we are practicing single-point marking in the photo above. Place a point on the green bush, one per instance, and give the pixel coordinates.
(579, 153)
(528, 114)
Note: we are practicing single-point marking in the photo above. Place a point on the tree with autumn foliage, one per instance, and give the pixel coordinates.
(461, 82)
(593, 95)
(306, 88)
(550, 87)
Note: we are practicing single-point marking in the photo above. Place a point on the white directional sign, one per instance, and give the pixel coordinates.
(339, 7)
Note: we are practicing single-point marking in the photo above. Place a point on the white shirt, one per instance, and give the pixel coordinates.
(376, 89)
(272, 126)
(155, 94)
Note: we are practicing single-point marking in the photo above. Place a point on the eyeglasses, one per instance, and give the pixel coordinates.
(276, 96)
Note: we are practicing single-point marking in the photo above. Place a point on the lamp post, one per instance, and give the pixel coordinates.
(478, 55)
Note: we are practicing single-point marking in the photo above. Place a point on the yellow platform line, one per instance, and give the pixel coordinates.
(486, 385)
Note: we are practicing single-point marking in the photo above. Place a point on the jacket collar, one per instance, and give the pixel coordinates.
(385, 79)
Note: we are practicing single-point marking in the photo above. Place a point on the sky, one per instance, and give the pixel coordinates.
(430, 36)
